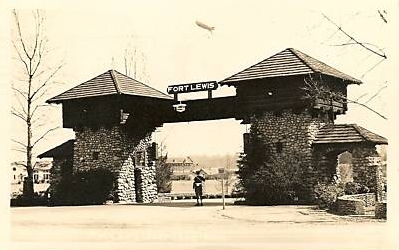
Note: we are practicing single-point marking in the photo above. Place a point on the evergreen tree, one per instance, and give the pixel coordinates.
(163, 175)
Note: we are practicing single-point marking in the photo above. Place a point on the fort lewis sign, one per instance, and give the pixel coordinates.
(192, 87)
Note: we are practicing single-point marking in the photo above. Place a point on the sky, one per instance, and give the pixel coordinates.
(89, 39)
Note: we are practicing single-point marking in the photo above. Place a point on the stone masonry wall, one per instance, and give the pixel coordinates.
(115, 149)
(126, 182)
(367, 169)
(138, 168)
(346, 205)
(381, 210)
(355, 204)
(55, 172)
(96, 148)
(292, 132)
(148, 183)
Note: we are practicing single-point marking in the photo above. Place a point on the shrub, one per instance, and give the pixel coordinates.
(92, 186)
(180, 177)
(355, 188)
(326, 194)
(38, 199)
(267, 179)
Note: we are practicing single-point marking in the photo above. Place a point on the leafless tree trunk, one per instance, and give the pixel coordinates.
(31, 51)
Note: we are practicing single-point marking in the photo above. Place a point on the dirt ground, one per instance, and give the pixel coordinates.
(181, 225)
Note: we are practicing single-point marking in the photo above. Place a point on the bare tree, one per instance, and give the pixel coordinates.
(29, 91)
(135, 61)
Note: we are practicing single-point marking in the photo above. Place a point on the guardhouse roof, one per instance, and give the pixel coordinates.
(64, 150)
(110, 82)
(289, 62)
(347, 133)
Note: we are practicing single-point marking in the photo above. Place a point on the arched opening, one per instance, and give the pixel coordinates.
(210, 146)
(336, 165)
(345, 167)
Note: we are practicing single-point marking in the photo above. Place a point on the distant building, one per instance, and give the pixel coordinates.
(41, 176)
(18, 172)
(181, 166)
(41, 172)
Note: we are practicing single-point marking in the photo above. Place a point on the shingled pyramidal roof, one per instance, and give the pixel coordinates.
(288, 62)
(109, 83)
(347, 133)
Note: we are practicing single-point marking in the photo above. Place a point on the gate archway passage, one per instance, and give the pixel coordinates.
(114, 115)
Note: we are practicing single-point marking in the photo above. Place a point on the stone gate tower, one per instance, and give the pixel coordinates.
(113, 117)
(292, 100)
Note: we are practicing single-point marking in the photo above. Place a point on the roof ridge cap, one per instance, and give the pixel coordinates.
(295, 52)
(69, 89)
(254, 64)
(358, 129)
(142, 83)
(115, 80)
(325, 64)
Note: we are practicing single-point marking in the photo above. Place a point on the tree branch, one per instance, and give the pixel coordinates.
(20, 143)
(24, 95)
(20, 34)
(357, 99)
(45, 91)
(21, 58)
(39, 59)
(38, 125)
(37, 34)
(46, 81)
(41, 137)
(356, 41)
(375, 65)
(37, 107)
(19, 150)
(20, 104)
(18, 114)
(367, 107)
(376, 94)
(382, 16)
(315, 90)
(20, 164)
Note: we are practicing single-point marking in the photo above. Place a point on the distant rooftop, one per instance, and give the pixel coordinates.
(43, 165)
(288, 62)
(347, 133)
(109, 83)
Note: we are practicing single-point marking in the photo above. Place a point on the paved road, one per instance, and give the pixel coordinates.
(180, 225)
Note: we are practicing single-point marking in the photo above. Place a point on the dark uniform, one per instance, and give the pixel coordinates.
(197, 186)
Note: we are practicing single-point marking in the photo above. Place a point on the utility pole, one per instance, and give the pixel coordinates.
(222, 171)
(224, 204)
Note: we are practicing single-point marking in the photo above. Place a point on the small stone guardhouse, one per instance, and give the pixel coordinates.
(114, 115)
